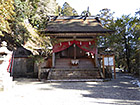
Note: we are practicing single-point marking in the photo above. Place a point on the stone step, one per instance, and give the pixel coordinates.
(75, 80)
(74, 74)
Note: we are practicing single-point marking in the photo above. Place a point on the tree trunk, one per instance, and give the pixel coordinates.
(127, 55)
(139, 73)
(127, 60)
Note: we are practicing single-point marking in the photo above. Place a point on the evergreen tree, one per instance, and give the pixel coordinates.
(106, 17)
(74, 12)
(67, 10)
(107, 20)
(6, 16)
(45, 9)
(124, 40)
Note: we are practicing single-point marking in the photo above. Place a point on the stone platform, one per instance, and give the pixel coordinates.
(74, 74)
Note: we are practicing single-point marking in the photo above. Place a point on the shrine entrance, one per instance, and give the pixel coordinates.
(80, 54)
(75, 52)
(74, 57)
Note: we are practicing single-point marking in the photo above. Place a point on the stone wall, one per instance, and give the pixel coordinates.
(23, 63)
(24, 67)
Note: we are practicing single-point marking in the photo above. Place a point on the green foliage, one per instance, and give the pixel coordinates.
(107, 21)
(19, 32)
(74, 12)
(106, 17)
(67, 10)
(138, 12)
(58, 10)
(6, 15)
(25, 9)
(45, 9)
(14, 13)
(124, 40)
(36, 11)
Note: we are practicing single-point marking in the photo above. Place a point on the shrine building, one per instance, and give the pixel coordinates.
(75, 53)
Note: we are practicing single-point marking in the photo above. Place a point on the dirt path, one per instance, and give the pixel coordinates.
(32, 92)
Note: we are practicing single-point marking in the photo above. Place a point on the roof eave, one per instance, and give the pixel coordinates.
(85, 34)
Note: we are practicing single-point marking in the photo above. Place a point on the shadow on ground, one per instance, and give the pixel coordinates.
(120, 90)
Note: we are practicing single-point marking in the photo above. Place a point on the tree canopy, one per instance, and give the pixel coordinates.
(67, 10)
(124, 40)
(6, 15)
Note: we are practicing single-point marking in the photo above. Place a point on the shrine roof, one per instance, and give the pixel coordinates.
(75, 24)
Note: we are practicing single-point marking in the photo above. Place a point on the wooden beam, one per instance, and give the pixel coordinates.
(103, 67)
(53, 60)
(96, 57)
(74, 51)
(75, 34)
(114, 67)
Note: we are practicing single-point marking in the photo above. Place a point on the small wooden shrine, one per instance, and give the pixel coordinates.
(75, 52)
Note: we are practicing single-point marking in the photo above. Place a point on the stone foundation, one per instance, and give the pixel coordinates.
(56, 74)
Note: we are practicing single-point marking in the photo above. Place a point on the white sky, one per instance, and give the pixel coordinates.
(120, 7)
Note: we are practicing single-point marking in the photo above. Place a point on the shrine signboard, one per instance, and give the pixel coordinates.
(109, 61)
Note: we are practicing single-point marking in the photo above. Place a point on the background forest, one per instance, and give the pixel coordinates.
(21, 21)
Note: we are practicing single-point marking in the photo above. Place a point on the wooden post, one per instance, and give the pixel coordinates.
(103, 67)
(53, 60)
(96, 60)
(39, 71)
(114, 67)
(96, 57)
(139, 72)
(74, 51)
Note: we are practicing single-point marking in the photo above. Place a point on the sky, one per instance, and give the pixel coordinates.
(120, 7)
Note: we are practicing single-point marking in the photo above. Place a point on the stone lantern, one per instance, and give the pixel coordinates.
(5, 79)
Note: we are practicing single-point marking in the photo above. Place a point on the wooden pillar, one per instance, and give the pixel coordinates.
(53, 60)
(74, 51)
(96, 57)
(103, 67)
(139, 72)
(114, 67)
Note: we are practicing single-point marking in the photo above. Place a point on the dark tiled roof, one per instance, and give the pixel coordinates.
(75, 24)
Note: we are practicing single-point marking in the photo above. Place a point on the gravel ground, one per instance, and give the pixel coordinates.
(32, 92)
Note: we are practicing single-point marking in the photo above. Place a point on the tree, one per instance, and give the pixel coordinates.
(124, 40)
(6, 15)
(107, 20)
(39, 45)
(67, 10)
(23, 11)
(36, 11)
(137, 12)
(29, 11)
(74, 12)
(46, 8)
(106, 17)
(17, 24)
